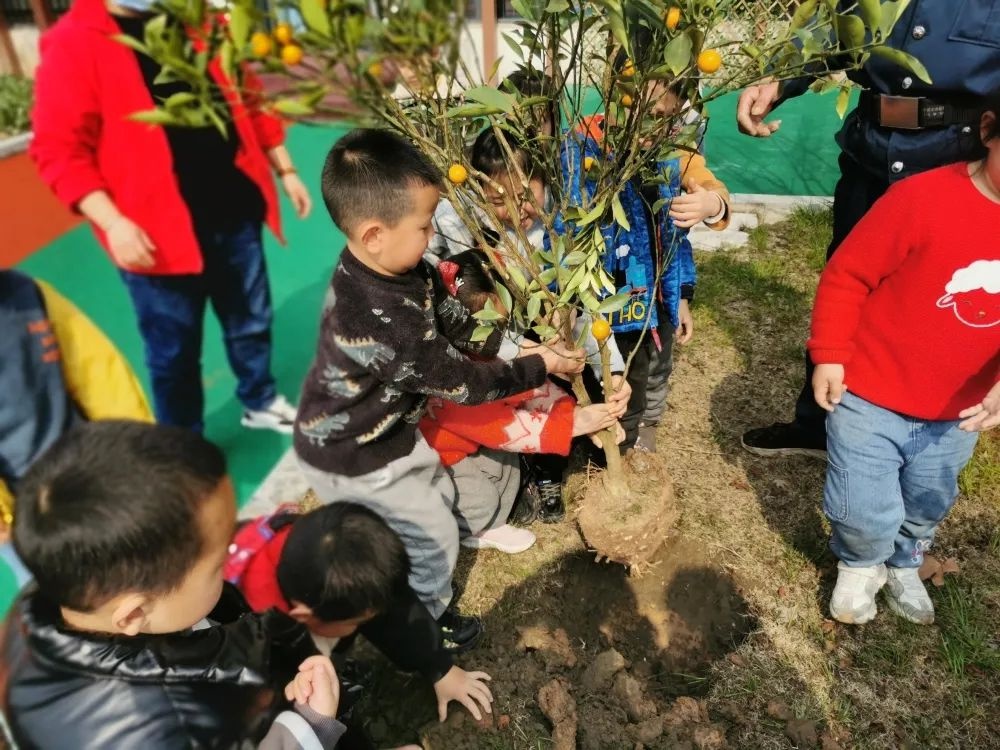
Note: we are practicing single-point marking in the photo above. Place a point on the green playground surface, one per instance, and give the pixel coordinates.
(800, 160)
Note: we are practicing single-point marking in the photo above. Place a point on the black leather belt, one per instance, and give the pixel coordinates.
(918, 112)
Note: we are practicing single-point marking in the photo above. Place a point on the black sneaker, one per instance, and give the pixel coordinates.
(460, 632)
(785, 439)
(525, 510)
(551, 509)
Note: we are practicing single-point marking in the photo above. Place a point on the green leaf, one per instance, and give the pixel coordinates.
(155, 117)
(850, 31)
(481, 333)
(534, 307)
(545, 332)
(523, 9)
(227, 57)
(677, 55)
(469, 110)
(492, 98)
(488, 314)
(617, 25)
(515, 46)
(619, 212)
(904, 60)
(293, 107)
(131, 42)
(892, 11)
(557, 6)
(843, 99)
(314, 14)
(504, 296)
(240, 24)
(575, 258)
(179, 99)
(547, 276)
(594, 214)
(615, 303)
(804, 13)
(871, 12)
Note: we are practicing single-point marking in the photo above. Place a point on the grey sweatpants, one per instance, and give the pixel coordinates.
(486, 485)
(415, 496)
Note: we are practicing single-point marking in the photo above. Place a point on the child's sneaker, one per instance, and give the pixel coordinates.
(525, 510)
(505, 538)
(551, 509)
(647, 438)
(908, 597)
(853, 599)
(460, 632)
(278, 416)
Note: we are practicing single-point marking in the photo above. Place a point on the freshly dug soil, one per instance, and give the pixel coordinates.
(628, 526)
(616, 660)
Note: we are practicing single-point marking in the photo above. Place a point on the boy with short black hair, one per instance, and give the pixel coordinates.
(130, 639)
(340, 570)
(391, 336)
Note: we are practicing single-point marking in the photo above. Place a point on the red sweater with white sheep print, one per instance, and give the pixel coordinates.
(910, 302)
(536, 421)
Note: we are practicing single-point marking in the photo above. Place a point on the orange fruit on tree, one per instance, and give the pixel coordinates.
(588, 163)
(457, 174)
(709, 61)
(601, 329)
(673, 18)
(626, 100)
(291, 54)
(260, 44)
(375, 70)
(628, 69)
(283, 33)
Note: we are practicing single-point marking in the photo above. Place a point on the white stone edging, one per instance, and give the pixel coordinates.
(15, 144)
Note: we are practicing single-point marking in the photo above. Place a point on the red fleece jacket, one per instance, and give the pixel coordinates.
(86, 87)
(538, 421)
(910, 302)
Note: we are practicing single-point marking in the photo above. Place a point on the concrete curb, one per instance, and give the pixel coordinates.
(772, 208)
(16, 144)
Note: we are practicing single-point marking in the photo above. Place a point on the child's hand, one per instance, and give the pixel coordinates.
(465, 687)
(621, 392)
(560, 360)
(297, 193)
(590, 419)
(697, 205)
(828, 385)
(316, 685)
(129, 245)
(983, 416)
(685, 329)
(619, 436)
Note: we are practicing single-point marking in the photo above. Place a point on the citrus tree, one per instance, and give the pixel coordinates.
(399, 64)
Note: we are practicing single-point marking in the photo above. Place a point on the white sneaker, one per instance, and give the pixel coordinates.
(908, 597)
(279, 416)
(853, 599)
(506, 538)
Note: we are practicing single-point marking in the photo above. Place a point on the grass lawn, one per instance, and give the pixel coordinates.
(727, 637)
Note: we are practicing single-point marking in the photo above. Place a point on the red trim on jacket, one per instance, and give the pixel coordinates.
(86, 87)
(260, 579)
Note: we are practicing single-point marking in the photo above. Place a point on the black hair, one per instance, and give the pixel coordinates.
(489, 155)
(479, 279)
(972, 145)
(342, 561)
(112, 507)
(368, 175)
(529, 82)
(643, 39)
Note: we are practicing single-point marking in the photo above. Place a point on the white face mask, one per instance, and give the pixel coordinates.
(139, 6)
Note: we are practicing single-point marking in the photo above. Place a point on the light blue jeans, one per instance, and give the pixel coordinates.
(890, 480)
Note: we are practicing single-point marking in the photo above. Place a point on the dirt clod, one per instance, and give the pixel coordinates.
(601, 671)
(802, 733)
(685, 711)
(779, 711)
(711, 737)
(829, 742)
(552, 646)
(560, 709)
(631, 697)
(649, 731)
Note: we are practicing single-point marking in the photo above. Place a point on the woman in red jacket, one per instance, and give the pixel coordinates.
(179, 210)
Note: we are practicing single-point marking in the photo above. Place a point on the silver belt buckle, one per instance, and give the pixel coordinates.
(900, 112)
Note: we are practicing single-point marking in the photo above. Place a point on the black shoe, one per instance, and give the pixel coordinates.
(525, 510)
(551, 509)
(460, 632)
(785, 439)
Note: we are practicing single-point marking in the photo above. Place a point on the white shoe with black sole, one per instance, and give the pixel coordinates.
(278, 416)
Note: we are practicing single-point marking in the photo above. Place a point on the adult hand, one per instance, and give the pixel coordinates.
(685, 328)
(755, 103)
(316, 685)
(129, 245)
(468, 688)
(828, 385)
(983, 416)
(695, 206)
(297, 193)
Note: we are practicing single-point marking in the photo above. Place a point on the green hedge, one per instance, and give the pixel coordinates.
(15, 105)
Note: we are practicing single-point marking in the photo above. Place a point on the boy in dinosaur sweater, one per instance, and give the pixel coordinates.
(391, 336)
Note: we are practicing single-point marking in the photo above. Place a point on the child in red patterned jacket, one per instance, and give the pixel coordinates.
(480, 445)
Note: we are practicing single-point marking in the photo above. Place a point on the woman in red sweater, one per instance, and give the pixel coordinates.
(480, 446)
(179, 210)
(907, 317)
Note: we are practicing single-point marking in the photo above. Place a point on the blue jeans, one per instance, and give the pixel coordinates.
(890, 480)
(171, 313)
